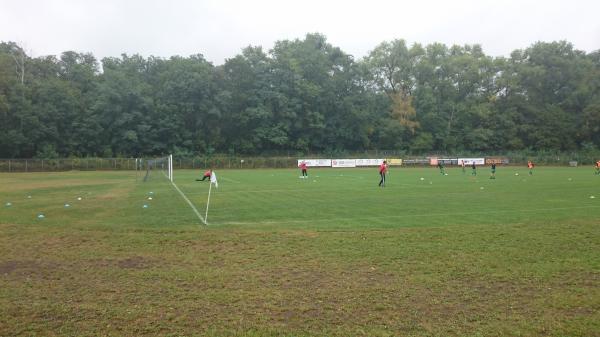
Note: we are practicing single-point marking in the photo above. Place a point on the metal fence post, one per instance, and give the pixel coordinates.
(9, 165)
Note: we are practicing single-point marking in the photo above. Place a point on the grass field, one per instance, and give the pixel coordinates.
(332, 255)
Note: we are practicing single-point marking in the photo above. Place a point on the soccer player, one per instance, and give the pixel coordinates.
(473, 169)
(206, 175)
(530, 166)
(493, 176)
(441, 167)
(597, 168)
(302, 166)
(462, 164)
(382, 172)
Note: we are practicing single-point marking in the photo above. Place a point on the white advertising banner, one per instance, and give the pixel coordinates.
(343, 163)
(368, 162)
(316, 162)
(470, 161)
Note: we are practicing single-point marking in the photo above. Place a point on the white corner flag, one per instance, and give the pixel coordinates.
(213, 179)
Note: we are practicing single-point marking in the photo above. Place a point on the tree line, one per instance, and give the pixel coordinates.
(303, 95)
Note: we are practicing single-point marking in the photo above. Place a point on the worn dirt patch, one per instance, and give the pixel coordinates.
(135, 262)
(116, 193)
(8, 267)
(27, 267)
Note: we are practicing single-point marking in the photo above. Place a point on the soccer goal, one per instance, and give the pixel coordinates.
(156, 167)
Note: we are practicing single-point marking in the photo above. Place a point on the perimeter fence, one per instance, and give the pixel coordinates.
(254, 162)
(108, 164)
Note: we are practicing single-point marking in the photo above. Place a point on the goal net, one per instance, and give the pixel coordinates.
(158, 167)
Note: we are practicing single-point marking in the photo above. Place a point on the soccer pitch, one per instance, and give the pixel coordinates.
(331, 255)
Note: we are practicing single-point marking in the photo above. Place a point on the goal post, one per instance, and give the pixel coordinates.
(170, 167)
(157, 167)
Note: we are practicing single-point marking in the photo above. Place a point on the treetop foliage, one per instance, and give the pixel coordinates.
(304, 95)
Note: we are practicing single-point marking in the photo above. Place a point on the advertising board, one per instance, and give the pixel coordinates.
(368, 162)
(343, 163)
(470, 161)
(316, 162)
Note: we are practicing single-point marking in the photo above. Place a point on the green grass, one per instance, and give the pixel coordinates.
(332, 255)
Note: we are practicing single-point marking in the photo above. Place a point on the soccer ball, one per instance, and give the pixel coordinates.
(79, 198)
(446, 174)
(516, 174)
(422, 178)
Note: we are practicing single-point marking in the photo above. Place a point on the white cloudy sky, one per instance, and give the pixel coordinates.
(219, 29)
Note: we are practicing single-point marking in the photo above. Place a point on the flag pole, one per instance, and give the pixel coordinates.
(207, 203)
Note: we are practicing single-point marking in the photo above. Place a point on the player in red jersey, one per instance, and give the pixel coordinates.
(302, 167)
(382, 171)
(530, 166)
(206, 175)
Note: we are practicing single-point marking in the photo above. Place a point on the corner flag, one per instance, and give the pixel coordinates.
(213, 179)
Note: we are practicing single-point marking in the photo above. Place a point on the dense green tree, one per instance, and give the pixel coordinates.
(302, 96)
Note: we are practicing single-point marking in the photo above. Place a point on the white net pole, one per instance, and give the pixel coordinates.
(171, 167)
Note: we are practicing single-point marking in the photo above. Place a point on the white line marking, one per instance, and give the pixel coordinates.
(189, 203)
(270, 222)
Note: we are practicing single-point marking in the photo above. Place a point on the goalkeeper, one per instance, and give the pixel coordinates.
(206, 175)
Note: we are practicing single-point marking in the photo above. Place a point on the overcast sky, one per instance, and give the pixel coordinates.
(219, 29)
